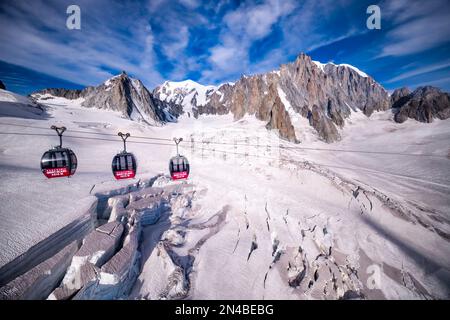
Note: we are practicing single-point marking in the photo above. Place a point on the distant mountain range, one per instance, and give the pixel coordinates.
(323, 95)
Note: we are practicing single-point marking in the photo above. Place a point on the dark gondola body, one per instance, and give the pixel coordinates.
(59, 162)
(179, 168)
(124, 166)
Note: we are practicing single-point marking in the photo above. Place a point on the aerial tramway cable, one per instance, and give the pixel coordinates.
(61, 162)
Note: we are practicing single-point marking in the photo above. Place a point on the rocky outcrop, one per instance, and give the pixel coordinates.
(279, 119)
(2, 85)
(423, 104)
(399, 97)
(70, 94)
(186, 94)
(121, 93)
(324, 126)
(334, 90)
(324, 93)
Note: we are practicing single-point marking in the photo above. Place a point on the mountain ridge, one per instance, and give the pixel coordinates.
(311, 88)
(423, 104)
(323, 94)
(120, 93)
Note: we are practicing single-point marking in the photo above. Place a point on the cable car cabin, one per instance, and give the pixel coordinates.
(179, 168)
(59, 162)
(124, 166)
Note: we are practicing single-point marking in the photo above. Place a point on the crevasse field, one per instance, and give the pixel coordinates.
(258, 218)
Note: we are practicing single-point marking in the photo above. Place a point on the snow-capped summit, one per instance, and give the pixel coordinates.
(189, 94)
(361, 73)
(324, 95)
(345, 65)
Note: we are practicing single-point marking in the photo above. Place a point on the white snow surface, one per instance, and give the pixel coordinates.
(322, 67)
(251, 189)
(361, 73)
(8, 96)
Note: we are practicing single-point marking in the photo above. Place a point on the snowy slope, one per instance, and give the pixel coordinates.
(8, 96)
(262, 220)
(345, 65)
(14, 105)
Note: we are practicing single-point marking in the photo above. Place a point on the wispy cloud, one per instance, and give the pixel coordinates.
(418, 26)
(420, 71)
(216, 41)
(332, 40)
(34, 35)
(242, 27)
(441, 82)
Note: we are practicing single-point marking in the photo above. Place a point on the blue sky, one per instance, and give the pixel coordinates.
(217, 41)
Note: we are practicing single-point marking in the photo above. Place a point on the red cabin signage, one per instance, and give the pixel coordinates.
(180, 175)
(124, 174)
(56, 172)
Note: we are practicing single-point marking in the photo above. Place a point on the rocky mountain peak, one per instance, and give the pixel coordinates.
(324, 94)
(398, 96)
(304, 92)
(187, 94)
(120, 93)
(423, 104)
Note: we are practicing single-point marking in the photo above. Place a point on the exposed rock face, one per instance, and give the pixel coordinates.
(2, 85)
(324, 93)
(61, 92)
(423, 104)
(123, 94)
(322, 124)
(279, 119)
(335, 90)
(186, 94)
(399, 97)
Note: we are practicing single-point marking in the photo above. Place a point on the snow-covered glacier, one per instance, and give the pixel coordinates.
(258, 218)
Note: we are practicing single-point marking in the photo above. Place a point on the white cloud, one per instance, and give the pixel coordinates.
(301, 26)
(255, 22)
(243, 26)
(192, 4)
(417, 36)
(420, 71)
(440, 82)
(417, 26)
(176, 42)
(34, 36)
(399, 11)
